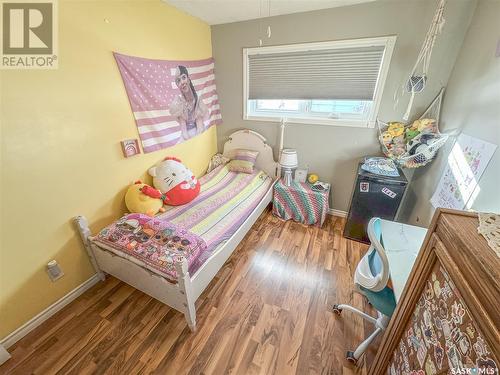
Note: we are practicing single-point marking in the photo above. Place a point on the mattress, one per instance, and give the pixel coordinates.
(225, 201)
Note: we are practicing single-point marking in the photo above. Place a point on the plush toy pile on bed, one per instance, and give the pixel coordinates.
(174, 185)
(177, 183)
(401, 140)
(143, 199)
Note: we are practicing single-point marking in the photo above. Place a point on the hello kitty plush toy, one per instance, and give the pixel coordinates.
(175, 181)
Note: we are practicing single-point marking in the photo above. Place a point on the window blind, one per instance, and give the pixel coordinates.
(336, 74)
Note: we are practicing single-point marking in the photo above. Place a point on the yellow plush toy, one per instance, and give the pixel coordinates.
(424, 124)
(138, 202)
(395, 129)
(312, 178)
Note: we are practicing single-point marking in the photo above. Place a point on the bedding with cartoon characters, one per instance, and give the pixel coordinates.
(193, 230)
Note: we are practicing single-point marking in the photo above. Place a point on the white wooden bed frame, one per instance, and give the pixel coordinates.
(183, 294)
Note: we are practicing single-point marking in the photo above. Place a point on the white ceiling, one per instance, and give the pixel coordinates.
(224, 11)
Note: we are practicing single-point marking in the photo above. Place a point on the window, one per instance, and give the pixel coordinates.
(332, 83)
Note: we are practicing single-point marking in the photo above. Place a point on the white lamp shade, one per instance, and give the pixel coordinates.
(288, 158)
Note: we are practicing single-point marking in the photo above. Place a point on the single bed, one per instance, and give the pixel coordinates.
(228, 205)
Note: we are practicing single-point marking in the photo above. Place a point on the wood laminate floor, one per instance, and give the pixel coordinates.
(268, 311)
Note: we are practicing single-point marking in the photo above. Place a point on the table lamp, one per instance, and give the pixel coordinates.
(288, 162)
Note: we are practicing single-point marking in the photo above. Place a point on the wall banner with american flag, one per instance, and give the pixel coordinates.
(171, 100)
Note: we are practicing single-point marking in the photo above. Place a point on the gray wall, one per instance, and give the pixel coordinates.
(333, 151)
(471, 105)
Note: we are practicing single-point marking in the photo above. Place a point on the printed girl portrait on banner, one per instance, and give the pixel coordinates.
(171, 101)
(187, 107)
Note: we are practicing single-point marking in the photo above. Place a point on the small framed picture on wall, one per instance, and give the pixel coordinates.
(130, 147)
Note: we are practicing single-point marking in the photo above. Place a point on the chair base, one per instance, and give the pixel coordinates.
(350, 357)
(380, 324)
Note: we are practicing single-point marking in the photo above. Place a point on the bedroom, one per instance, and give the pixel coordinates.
(264, 303)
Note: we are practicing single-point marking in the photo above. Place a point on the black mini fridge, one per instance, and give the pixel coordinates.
(373, 196)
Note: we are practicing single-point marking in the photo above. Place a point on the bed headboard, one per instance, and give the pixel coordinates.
(251, 140)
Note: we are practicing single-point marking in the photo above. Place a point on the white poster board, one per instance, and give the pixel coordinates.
(467, 161)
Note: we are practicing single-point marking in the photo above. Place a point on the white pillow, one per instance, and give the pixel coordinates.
(216, 161)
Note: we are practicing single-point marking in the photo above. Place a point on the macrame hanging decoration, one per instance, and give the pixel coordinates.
(418, 77)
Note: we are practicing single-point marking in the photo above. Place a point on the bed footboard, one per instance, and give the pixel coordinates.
(186, 288)
(179, 296)
(83, 228)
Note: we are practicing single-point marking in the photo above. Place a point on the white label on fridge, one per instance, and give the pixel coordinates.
(388, 192)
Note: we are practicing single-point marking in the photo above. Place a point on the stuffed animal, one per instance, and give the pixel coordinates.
(386, 138)
(175, 181)
(395, 129)
(424, 152)
(399, 145)
(138, 201)
(413, 146)
(411, 133)
(429, 126)
(425, 125)
(312, 178)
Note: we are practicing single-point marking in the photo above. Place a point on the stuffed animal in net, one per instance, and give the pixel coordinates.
(398, 145)
(177, 183)
(143, 199)
(420, 146)
(395, 129)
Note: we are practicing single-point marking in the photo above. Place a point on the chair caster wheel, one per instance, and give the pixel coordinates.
(350, 357)
(336, 309)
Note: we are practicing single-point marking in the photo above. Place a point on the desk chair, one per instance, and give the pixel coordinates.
(371, 277)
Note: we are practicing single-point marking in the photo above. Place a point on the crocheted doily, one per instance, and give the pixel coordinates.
(489, 227)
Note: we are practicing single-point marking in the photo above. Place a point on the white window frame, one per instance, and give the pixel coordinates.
(387, 41)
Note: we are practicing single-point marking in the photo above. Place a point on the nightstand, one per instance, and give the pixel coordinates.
(300, 203)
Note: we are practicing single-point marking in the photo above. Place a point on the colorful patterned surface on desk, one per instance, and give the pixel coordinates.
(300, 203)
(441, 337)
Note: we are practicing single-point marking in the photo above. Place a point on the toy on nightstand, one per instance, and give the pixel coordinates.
(312, 178)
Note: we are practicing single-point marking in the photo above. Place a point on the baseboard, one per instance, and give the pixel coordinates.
(30, 325)
(338, 213)
(4, 355)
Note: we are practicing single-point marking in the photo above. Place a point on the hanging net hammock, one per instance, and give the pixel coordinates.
(414, 144)
(418, 77)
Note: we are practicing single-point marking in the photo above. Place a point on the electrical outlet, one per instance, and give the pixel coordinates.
(54, 271)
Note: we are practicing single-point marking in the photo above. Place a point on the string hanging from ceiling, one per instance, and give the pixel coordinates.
(268, 30)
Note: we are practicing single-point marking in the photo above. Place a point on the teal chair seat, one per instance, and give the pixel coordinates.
(383, 301)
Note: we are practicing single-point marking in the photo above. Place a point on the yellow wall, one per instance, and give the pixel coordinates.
(60, 143)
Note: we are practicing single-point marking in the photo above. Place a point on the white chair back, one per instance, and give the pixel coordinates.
(372, 271)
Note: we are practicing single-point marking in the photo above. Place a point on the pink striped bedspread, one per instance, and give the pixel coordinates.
(225, 201)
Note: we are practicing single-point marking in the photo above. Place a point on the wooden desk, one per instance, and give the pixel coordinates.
(447, 319)
(402, 243)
